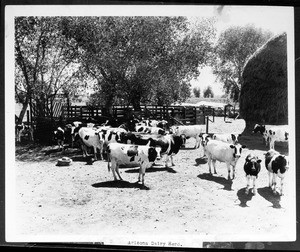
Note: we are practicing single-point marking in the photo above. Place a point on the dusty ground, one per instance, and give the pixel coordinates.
(183, 205)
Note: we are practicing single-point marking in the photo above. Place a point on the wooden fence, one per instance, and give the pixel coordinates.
(173, 114)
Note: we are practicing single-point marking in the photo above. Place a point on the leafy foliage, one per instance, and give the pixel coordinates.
(234, 46)
(140, 59)
(208, 93)
(45, 60)
(196, 92)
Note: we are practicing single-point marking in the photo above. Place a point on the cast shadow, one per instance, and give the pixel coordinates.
(267, 193)
(120, 184)
(200, 161)
(220, 180)
(243, 197)
(153, 169)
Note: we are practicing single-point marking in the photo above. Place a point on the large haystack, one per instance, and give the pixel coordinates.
(263, 96)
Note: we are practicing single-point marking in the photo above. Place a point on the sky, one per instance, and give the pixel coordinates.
(275, 19)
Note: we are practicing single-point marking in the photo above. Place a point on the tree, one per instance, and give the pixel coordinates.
(45, 61)
(234, 46)
(196, 92)
(208, 93)
(141, 59)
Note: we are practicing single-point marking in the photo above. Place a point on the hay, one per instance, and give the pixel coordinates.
(264, 89)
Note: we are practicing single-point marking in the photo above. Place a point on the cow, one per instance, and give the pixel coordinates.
(24, 130)
(149, 130)
(264, 130)
(59, 136)
(252, 167)
(169, 144)
(277, 166)
(187, 131)
(227, 138)
(277, 134)
(126, 154)
(154, 123)
(110, 135)
(90, 138)
(204, 138)
(223, 152)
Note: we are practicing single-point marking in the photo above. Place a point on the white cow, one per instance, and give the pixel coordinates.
(277, 134)
(277, 166)
(90, 138)
(187, 131)
(223, 152)
(227, 138)
(128, 154)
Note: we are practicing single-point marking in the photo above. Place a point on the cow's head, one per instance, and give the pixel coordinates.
(252, 163)
(204, 139)
(237, 150)
(234, 138)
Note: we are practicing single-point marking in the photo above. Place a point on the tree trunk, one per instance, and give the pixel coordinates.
(23, 111)
(136, 103)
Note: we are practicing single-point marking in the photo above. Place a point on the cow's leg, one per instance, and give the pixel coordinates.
(101, 150)
(172, 162)
(166, 161)
(228, 168)
(254, 185)
(274, 183)
(142, 174)
(214, 165)
(113, 168)
(197, 144)
(95, 152)
(118, 172)
(233, 172)
(281, 186)
(209, 163)
(248, 184)
(270, 179)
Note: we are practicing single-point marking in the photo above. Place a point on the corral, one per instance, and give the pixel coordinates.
(183, 204)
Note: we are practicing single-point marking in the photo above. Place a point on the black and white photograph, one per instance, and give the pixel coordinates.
(150, 125)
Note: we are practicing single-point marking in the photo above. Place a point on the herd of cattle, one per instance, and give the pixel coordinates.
(142, 142)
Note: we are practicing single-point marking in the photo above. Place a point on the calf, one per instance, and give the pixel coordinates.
(277, 166)
(90, 138)
(24, 130)
(59, 136)
(227, 138)
(126, 154)
(187, 131)
(223, 152)
(252, 168)
(277, 134)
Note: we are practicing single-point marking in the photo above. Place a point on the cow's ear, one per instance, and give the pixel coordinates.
(232, 146)
(258, 161)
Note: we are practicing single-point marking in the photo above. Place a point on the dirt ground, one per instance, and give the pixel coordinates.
(179, 206)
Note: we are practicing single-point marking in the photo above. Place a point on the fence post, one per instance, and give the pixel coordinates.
(213, 114)
(81, 112)
(206, 117)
